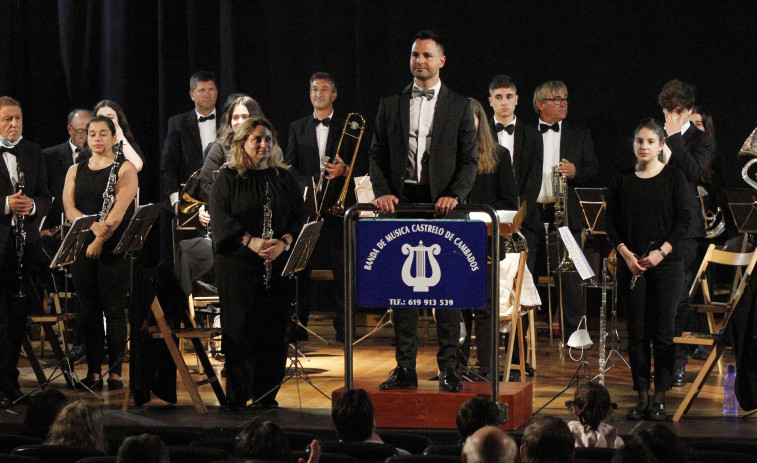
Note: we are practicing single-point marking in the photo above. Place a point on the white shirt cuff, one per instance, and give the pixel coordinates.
(174, 198)
(7, 209)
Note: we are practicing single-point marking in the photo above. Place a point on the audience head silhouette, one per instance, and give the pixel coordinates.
(145, 448)
(262, 440)
(353, 415)
(489, 444)
(474, 414)
(633, 452)
(43, 408)
(547, 440)
(79, 424)
(664, 444)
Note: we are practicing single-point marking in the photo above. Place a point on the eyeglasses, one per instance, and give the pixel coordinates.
(79, 131)
(557, 100)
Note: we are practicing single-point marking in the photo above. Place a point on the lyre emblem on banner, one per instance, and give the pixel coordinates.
(421, 255)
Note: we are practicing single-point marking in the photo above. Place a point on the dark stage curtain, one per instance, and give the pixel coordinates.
(613, 56)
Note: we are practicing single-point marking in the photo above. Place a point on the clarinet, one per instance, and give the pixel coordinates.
(20, 235)
(109, 195)
(267, 232)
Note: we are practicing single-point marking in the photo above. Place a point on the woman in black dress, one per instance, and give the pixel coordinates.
(255, 300)
(647, 217)
(101, 277)
(494, 186)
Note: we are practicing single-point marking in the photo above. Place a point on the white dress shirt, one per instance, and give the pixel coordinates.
(322, 136)
(666, 153)
(12, 166)
(73, 151)
(207, 130)
(551, 159)
(505, 139)
(421, 121)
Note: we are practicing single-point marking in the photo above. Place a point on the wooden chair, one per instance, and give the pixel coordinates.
(516, 326)
(716, 338)
(38, 314)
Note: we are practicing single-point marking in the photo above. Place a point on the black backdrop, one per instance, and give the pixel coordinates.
(613, 56)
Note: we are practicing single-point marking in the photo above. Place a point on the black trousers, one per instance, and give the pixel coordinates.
(254, 320)
(688, 250)
(102, 286)
(650, 314)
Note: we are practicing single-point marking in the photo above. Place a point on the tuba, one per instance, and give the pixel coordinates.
(560, 190)
(749, 148)
(189, 204)
(714, 222)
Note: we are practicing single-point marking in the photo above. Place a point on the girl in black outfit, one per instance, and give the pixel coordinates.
(101, 277)
(254, 317)
(647, 216)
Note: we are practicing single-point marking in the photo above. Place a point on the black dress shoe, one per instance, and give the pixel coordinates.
(115, 384)
(655, 412)
(450, 381)
(679, 376)
(401, 378)
(90, 383)
(77, 352)
(636, 412)
(265, 404)
(15, 396)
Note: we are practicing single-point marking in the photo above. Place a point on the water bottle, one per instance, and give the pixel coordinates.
(730, 404)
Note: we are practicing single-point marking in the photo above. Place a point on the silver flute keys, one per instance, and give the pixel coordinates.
(267, 232)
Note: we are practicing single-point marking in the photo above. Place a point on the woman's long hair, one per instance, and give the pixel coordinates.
(225, 133)
(122, 122)
(487, 147)
(79, 424)
(239, 159)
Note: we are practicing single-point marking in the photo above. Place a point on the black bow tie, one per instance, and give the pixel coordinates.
(509, 129)
(76, 150)
(544, 127)
(206, 118)
(429, 94)
(8, 149)
(325, 121)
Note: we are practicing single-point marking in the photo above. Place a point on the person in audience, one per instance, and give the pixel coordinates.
(266, 441)
(591, 406)
(489, 444)
(474, 414)
(145, 448)
(79, 424)
(633, 452)
(547, 440)
(664, 444)
(43, 408)
(354, 420)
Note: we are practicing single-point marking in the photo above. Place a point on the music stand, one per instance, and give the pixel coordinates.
(594, 208)
(743, 206)
(296, 263)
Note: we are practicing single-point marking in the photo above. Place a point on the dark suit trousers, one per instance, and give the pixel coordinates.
(687, 249)
(12, 317)
(406, 319)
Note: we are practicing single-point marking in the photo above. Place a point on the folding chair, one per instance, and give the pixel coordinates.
(516, 322)
(716, 338)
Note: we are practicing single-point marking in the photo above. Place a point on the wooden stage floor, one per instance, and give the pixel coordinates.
(302, 407)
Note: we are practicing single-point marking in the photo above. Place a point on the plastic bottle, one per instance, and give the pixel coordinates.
(730, 404)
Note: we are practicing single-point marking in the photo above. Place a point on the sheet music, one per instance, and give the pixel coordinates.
(574, 250)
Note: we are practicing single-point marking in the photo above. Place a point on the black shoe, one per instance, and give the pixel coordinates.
(637, 412)
(77, 353)
(655, 412)
(679, 376)
(450, 381)
(15, 396)
(237, 406)
(265, 404)
(115, 384)
(529, 370)
(90, 383)
(401, 378)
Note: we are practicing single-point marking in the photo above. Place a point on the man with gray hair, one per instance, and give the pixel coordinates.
(489, 444)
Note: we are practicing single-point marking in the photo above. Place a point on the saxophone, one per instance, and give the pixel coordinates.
(560, 191)
(267, 232)
(109, 195)
(20, 235)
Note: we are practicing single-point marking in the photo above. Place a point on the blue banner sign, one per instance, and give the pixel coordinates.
(421, 263)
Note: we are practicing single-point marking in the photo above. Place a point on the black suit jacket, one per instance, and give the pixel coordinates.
(302, 155)
(692, 152)
(577, 147)
(527, 160)
(453, 152)
(58, 159)
(29, 155)
(182, 151)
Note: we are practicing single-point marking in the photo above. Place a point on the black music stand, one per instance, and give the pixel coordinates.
(296, 263)
(67, 253)
(594, 208)
(743, 205)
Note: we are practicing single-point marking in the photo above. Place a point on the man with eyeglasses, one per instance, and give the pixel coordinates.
(59, 158)
(570, 147)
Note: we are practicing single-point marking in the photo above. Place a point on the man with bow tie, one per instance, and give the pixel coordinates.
(59, 158)
(570, 147)
(311, 147)
(33, 201)
(424, 151)
(526, 147)
(186, 139)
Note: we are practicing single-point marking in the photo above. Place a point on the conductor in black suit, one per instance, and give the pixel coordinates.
(690, 150)
(570, 147)
(424, 151)
(33, 202)
(311, 148)
(525, 145)
(59, 158)
(187, 137)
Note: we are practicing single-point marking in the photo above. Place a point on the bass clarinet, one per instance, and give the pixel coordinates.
(109, 195)
(267, 232)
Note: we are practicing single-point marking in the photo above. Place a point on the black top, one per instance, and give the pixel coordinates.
(497, 189)
(88, 197)
(236, 205)
(644, 210)
(215, 156)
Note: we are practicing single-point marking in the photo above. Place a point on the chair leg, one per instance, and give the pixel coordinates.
(532, 339)
(696, 386)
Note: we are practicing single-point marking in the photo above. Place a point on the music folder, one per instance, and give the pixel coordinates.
(73, 242)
